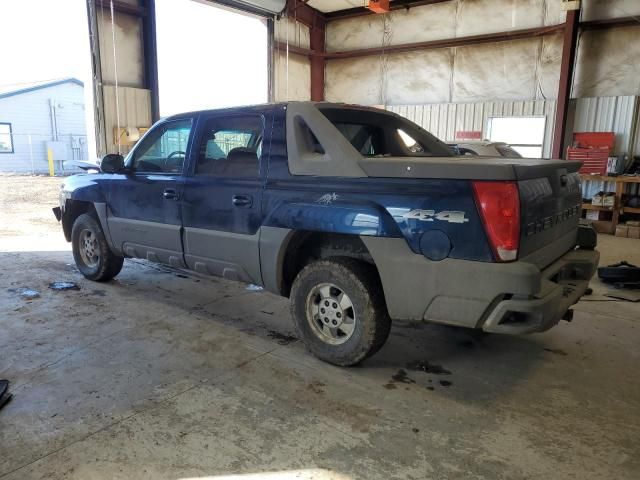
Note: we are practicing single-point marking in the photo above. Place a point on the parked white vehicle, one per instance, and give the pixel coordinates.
(485, 148)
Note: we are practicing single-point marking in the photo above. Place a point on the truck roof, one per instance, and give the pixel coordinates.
(265, 107)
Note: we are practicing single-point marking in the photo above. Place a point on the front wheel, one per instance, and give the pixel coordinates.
(92, 254)
(339, 310)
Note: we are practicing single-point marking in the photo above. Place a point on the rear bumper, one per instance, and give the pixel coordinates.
(516, 297)
(563, 283)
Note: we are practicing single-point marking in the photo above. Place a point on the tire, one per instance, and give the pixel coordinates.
(91, 252)
(364, 323)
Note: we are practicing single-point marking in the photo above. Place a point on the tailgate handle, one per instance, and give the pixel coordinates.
(563, 180)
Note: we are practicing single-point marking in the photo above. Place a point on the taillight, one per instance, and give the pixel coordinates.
(499, 205)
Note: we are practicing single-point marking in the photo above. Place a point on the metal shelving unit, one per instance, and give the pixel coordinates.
(609, 226)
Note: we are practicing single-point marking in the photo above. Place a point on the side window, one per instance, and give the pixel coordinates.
(231, 147)
(413, 145)
(6, 138)
(164, 150)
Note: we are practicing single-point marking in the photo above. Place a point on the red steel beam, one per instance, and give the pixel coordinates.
(453, 42)
(462, 41)
(303, 13)
(567, 62)
(318, 62)
(610, 23)
(316, 21)
(450, 42)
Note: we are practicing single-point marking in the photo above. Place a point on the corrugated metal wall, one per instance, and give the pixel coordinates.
(608, 114)
(31, 123)
(445, 119)
(598, 114)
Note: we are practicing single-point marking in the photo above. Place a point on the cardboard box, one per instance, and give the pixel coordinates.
(609, 200)
(622, 231)
(593, 215)
(597, 199)
(603, 227)
(634, 232)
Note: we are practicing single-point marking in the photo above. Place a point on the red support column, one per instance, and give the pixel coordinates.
(318, 62)
(566, 76)
(316, 21)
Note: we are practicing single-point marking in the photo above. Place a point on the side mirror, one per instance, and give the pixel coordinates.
(112, 163)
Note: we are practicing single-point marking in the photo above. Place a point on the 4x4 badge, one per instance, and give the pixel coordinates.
(431, 215)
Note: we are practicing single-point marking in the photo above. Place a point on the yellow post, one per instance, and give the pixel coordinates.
(50, 158)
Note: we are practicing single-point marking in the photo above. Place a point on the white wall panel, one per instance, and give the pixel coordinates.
(601, 9)
(417, 24)
(128, 51)
(608, 63)
(292, 77)
(443, 20)
(288, 30)
(354, 33)
(429, 81)
(357, 80)
(503, 70)
(292, 73)
(360, 80)
(473, 19)
(135, 111)
(515, 70)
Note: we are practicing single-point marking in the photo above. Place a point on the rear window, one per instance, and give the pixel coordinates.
(376, 134)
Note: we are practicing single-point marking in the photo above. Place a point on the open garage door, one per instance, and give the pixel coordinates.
(124, 49)
(210, 57)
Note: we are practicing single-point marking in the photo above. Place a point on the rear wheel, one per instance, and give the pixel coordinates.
(339, 310)
(91, 252)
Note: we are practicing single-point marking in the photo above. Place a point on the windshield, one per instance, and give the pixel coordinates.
(379, 134)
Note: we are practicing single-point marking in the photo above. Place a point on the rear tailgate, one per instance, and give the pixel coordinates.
(550, 207)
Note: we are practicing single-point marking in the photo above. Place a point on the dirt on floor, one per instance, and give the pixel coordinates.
(160, 374)
(26, 203)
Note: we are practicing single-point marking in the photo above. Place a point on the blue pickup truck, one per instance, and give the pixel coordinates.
(356, 214)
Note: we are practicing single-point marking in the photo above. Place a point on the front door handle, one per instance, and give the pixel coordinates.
(242, 201)
(170, 194)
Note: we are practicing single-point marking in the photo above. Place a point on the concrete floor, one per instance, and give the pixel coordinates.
(164, 376)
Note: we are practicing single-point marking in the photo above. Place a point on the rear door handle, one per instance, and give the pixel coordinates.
(242, 201)
(170, 194)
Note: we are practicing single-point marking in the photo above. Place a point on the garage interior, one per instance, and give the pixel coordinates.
(163, 373)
